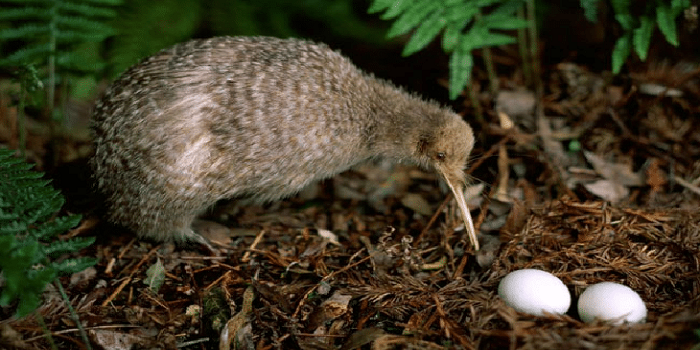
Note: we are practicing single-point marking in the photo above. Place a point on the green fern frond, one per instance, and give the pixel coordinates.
(23, 32)
(22, 13)
(666, 20)
(28, 54)
(86, 10)
(49, 229)
(413, 16)
(70, 266)
(461, 64)
(466, 25)
(590, 9)
(28, 205)
(639, 30)
(62, 247)
(425, 33)
(105, 2)
(397, 7)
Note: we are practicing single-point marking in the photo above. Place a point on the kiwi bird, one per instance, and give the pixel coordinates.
(255, 117)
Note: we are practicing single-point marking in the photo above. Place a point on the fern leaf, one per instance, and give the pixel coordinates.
(18, 172)
(678, 6)
(621, 51)
(27, 304)
(30, 53)
(26, 202)
(58, 225)
(7, 217)
(481, 37)
(12, 165)
(28, 31)
(453, 32)
(23, 13)
(641, 37)
(105, 2)
(622, 14)
(461, 64)
(88, 10)
(590, 9)
(84, 24)
(621, 6)
(509, 22)
(667, 22)
(412, 17)
(380, 5)
(427, 31)
(70, 266)
(58, 248)
(398, 7)
(33, 286)
(458, 14)
(13, 228)
(508, 8)
(72, 36)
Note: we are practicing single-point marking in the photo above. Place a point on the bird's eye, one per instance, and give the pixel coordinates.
(440, 156)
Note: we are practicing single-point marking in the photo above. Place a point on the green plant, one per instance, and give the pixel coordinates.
(30, 256)
(467, 24)
(639, 29)
(54, 36)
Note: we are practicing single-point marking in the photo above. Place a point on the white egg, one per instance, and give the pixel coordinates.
(534, 292)
(612, 302)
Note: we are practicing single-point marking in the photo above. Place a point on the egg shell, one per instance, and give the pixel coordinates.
(534, 292)
(612, 302)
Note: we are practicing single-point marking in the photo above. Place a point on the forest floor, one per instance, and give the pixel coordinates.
(601, 184)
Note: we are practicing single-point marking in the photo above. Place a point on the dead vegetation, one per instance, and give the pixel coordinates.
(375, 259)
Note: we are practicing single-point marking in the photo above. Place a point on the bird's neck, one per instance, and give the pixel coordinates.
(398, 121)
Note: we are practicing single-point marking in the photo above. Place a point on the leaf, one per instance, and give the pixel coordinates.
(381, 5)
(505, 23)
(87, 10)
(450, 38)
(626, 21)
(507, 9)
(27, 54)
(70, 266)
(398, 7)
(58, 248)
(459, 14)
(667, 22)
(481, 37)
(621, 6)
(425, 33)
(26, 31)
(621, 51)
(461, 64)
(642, 37)
(590, 9)
(23, 13)
(105, 2)
(412, 17)
(678, 6)
(155, 276)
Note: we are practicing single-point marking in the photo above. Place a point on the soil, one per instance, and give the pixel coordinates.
(602, 183)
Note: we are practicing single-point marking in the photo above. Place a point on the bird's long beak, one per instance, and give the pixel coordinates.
(457, 188)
